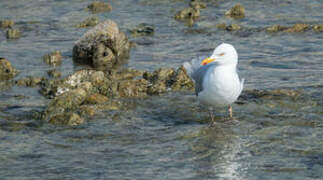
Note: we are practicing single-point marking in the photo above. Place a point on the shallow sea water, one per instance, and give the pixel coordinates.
(167, 136)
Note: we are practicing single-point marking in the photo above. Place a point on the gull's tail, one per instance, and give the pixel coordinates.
(192, 66)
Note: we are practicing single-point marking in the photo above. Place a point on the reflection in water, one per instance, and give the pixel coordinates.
(218, 151)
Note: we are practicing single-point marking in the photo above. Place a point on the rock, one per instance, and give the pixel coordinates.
(96, 99)
(298, 28)
(167, 78)
(237, 11)
(29, 81)
(87, 110)
(81, 76)
(233, 27)
(6, 70)
(142, 29)
(157, 88)
(98, 7)
(124, 74)
(54, 73)
(85, 79)
(66, 102)
(69, 119)
(89, 22)
(133, 88)
(181, 80)
(54, 58)
(318, 28)
(102, 47)
(276, 28)
(187, 13)
(7, 23)
(221, 26)
(197, 4)
(162, 74)
(13, 34)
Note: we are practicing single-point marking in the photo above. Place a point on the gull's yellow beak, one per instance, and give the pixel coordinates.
(207, 61)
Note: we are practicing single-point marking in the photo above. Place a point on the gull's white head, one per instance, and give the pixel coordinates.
(224, 54)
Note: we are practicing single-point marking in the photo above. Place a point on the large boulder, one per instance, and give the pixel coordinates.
(102, 47)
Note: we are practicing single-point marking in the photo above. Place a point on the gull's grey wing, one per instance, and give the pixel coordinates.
(199, 75)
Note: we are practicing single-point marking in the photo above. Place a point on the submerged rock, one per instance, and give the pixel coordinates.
(13, 34)
(142, 29)
(237, 11)
(276, 28)
(29, 81)
(254, 95)
(7, 23)
(298, 28)
(98, 7)
(188, 13)
(6, 70)
(102, 47)
(70, 119)
(54, 58)
(233, 27)
(89, 22)
(221, 26)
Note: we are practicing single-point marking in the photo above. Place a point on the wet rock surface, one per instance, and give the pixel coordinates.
(102, 47)
(99, 7)
(6, 69)
(53, 58)
(237, 12)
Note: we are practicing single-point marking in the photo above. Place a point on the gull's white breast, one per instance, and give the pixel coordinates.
(221, 86)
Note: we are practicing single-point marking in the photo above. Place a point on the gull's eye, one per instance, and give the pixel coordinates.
(222, 54)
